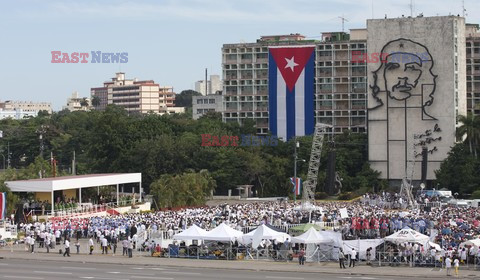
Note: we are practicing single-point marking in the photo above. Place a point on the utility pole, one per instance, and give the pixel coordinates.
(8, 155)
(74, 171)
(343, 22)
(41, 132)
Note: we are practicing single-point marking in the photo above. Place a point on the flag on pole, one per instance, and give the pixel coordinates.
(290, 90)
(3, 205)
(297, 186)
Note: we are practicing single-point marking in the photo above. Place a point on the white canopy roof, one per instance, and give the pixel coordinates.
(73, 182)
(311, 236)
(473, 242)
(263, 232)
(407, 235)
(223, 233)
(192, 233)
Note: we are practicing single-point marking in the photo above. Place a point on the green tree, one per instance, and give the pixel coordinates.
(470, 131)
(187, 189)
(184, 99)
(459, 171)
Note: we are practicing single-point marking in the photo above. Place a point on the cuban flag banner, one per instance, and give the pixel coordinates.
(3, 205)
(290, 91)
(297, 186)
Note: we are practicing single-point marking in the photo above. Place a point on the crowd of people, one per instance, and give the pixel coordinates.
(448, 226)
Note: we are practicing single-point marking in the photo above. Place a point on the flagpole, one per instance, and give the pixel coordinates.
(295, 170)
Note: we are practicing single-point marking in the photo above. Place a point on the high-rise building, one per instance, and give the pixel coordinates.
(134, 95)
(340, 86)
(473, 68)
(416, 91)
(214, 85)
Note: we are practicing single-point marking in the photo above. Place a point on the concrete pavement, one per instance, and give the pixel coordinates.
(250, 265)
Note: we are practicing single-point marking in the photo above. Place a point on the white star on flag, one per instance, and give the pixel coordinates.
(291, 63)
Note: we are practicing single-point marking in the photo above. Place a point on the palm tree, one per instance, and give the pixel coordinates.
(469, 131)
(95, 101)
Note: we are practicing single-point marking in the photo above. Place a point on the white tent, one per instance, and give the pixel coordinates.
(473, 242)
(311, 236)
(263, 232)
(192, 233)
(223, 233)
(408, 235)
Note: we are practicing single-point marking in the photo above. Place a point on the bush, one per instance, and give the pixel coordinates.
(346, 196)
(321, 195)
(476, 195)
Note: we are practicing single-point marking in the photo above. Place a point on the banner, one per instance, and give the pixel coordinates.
(297, 186)
(291, 72)
(3, 205)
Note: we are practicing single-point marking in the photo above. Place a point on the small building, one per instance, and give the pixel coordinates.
(204, 104)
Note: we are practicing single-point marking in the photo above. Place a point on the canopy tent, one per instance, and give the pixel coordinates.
(435, 246)
(473, 242)
(261, 233)
(408, 235)
(223, 233)
(312, 236)
(50, 185)
(192, 233)
(305, 227)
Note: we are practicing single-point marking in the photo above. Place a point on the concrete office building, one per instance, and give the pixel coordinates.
(214, 85)
(473, 68)
(204, 104)
(417, 92)
(134, 95)
(26, 106)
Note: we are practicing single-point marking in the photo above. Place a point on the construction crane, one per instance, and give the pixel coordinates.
(310, 184)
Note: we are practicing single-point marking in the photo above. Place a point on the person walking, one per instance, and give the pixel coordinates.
(77, 244)
(91, 245)
(130, 248)
(353, 257)
(369, 256)
(341, 259)
(67, 247)
(125, 247)
(456, 264)
(32, 244)
(47, 243)
(114, 245)
(301, 256)
(448, 264)
(104, 242)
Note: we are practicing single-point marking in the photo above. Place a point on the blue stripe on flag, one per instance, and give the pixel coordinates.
(290, 113)
(272, 95)
(309, 98)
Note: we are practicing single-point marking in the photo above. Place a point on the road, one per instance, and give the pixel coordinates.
(33, 269)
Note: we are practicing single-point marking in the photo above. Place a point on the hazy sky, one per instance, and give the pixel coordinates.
(171, 42)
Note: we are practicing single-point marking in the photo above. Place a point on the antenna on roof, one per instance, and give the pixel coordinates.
(464, 14)
(343, 22)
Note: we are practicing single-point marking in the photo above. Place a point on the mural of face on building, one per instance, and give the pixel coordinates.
(405, 72)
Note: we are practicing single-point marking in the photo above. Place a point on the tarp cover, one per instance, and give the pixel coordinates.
(408, 235)
(223, 233)
(192, 233)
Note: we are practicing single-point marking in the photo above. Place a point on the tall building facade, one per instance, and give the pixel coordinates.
(417, 90)
(134, 95)
(340, 85)
(214, 85)
(473, 67)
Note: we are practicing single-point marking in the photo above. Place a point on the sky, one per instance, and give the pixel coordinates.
(171, 42)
